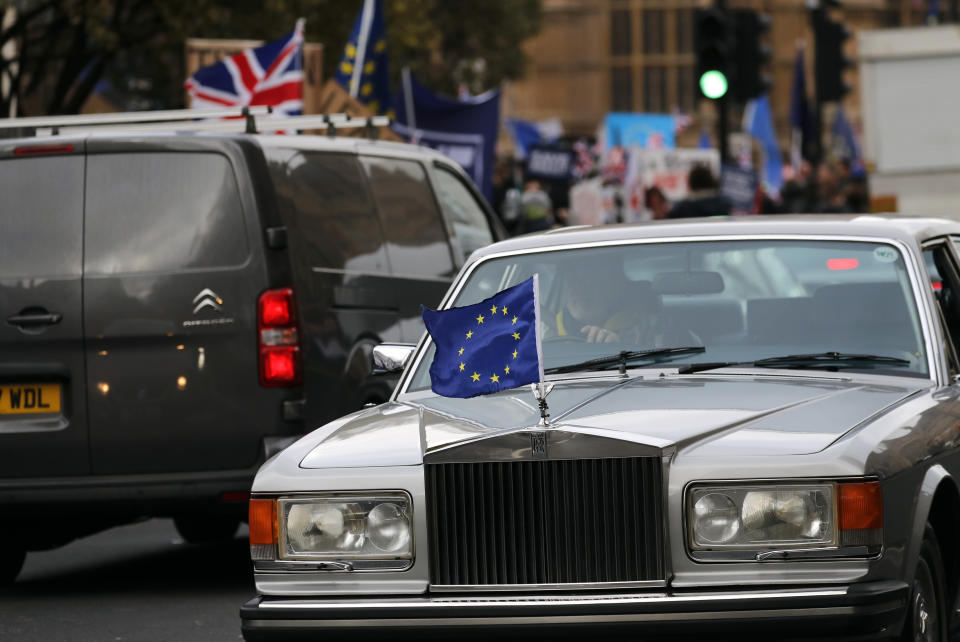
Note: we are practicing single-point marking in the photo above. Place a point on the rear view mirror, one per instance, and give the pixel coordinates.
(689, 282)
(389, 358)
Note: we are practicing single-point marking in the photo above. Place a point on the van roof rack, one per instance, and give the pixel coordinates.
(116, 118)
(243, 120)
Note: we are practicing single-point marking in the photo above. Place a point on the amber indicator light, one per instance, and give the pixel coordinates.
(263, 522)
(861, 506)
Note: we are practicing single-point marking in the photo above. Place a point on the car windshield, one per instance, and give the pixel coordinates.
(848, 304)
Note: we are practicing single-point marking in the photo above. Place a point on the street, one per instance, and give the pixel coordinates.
(139, 582)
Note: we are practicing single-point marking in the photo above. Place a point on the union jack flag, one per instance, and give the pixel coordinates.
(271, 74)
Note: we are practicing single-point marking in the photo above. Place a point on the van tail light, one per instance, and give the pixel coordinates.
(263, 529)
(279, 340)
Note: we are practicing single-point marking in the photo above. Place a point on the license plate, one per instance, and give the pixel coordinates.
(29, 398)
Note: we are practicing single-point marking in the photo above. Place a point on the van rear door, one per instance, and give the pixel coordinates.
(170, 290)
(43, 427)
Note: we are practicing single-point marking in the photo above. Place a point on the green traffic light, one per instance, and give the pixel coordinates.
(713, 84)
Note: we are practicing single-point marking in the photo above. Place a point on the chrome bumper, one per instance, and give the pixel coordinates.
(867, 611)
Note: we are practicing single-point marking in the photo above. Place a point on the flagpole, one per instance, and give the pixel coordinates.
(362, 39)
(540, 389)
(408, 104)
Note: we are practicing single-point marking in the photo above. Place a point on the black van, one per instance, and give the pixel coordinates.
(176, 308)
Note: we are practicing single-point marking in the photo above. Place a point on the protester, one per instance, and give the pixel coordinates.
(704, 199)
(536, 209)
(657, 203)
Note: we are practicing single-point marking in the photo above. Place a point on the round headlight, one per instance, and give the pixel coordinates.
(716, 519)
(388, 528)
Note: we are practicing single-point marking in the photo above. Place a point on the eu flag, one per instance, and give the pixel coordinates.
(363, 68)
(489, 346)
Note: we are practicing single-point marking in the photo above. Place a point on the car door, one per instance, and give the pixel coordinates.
(43, 427)
(170, 312)
(419, 248)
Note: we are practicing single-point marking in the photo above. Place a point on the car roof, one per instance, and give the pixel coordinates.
(343, 144)
(890, 226)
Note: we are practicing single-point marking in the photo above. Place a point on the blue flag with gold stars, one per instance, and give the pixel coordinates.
(489, 346)
(363, 68)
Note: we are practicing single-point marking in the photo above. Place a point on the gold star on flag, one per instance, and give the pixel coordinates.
(480, 319)
(460, 353)
(514, 319)
(493, 309)
(514, 354)
(462, 366)
(469, 334)
(516, 335)
(504, 308)
(507, 370)
(475, 376)
(495, 379)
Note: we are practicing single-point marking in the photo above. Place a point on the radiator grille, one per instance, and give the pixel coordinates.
(545, 522)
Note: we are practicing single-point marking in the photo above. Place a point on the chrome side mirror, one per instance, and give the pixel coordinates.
(391, 358)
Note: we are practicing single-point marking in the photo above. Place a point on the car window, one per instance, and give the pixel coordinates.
(329, 214)
(42, 216)
(817, 297)
(160, 212)
(417, 243)
(946, 288)
(469, 220)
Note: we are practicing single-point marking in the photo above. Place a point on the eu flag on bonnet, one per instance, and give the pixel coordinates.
(489, 346)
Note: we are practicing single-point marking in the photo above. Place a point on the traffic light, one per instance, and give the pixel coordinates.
(713, 43)
(750, 54)
(829, 62)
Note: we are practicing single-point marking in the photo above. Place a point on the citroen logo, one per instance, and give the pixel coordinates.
(207, 298)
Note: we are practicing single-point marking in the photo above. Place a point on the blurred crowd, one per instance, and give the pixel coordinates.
(527, 204)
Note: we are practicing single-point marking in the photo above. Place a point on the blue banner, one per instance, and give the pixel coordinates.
(657, 131)
(550, 163)
(465, 130)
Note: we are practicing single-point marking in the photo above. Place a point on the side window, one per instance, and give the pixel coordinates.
(416, 240)
(162, 212)
(469, 221)
(42, 220)
(324, 203)
(946, 286)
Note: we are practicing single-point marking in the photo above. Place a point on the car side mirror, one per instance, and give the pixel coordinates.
(391, 358)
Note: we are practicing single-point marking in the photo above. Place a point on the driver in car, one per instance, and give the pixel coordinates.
(598, 306)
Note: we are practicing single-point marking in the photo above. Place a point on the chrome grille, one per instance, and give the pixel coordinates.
(545, 521)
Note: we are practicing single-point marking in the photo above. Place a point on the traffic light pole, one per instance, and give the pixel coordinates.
(723, 116)
(723, 130)
(817, 17)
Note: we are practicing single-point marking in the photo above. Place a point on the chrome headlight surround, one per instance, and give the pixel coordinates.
(746, 521)
(352, 531)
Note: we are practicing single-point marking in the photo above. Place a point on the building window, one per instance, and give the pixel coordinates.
(684, 24)
(621, 89)
(620, 32)
(654, 26)
(655, 89)
(685, 88)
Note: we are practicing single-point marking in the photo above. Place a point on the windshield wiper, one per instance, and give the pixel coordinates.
(624, 356)
(830, 359)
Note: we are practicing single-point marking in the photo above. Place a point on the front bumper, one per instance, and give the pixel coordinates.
(861, 611)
